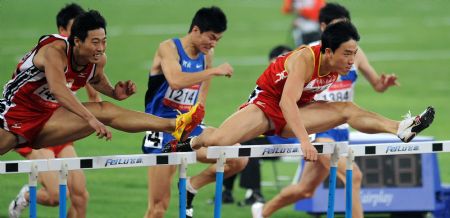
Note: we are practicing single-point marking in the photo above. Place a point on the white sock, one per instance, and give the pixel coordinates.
(189, 186)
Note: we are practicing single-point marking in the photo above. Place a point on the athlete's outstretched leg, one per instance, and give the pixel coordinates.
(243, 125)
(321, 116)
(66, 126)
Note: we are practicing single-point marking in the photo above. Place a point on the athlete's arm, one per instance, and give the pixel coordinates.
(379, 83)
(172, 69)
(52, 58)
(205, 84)
(121, 91)
(92, 94)
(299, 69)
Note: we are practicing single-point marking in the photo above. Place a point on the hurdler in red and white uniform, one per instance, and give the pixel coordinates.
(27, 103)
(270, 84)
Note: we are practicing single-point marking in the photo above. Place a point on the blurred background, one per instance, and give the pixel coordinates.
(408, 38)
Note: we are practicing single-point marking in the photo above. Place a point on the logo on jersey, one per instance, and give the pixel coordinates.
(260, 103)
(320, 84)
(281, 76)
(199, 66)
(186, 64)
(82, 74)
(17, 125)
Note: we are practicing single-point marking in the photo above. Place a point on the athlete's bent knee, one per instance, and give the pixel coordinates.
(235, 165)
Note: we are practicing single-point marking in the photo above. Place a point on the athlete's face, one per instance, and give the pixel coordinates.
(93, 47)
(206, 40)
(344, 57)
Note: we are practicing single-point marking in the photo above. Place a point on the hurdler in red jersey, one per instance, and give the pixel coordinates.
(28, 101)
(284, 102)
(270, 85)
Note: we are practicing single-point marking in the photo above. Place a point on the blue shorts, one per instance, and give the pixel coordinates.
(338, 135)
(154, 141)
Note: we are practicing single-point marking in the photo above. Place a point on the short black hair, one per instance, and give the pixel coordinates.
(279, 50)
(337, 33)
(210, 19)
(69, 12)
(332, 11)
(85, 22)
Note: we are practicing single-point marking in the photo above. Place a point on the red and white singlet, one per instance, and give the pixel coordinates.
(27, 102)
(270, 85)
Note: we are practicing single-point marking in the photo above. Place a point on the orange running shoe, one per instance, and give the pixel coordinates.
(186, 123)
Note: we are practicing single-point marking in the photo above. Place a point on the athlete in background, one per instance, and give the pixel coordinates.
(179, 78)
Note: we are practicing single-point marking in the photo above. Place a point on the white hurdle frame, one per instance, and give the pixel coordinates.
(385, 149)
(272, 150)
(341, 149)
(63, 165)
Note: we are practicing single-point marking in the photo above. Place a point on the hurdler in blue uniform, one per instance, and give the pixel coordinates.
(163, 101)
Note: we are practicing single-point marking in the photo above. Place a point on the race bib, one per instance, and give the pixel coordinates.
(153, 139)
(44, 93)
(340, 91)
(181, 99)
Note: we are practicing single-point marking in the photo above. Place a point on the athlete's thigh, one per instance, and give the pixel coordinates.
(63, 126)
(48, 179)
(159, 182)
(77, 180)
(319, 116)
(8, 140)
(243, 125)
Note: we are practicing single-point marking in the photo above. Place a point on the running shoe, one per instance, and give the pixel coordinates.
(176, 146)
(186, 123)
(19, 204)
(411, 126)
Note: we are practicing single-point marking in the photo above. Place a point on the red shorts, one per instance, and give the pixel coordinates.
(25, 151)
(26, 123)
(271, 108)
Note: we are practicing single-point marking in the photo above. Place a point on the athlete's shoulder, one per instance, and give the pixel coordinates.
(167, 47)
(304, 52)
(167, 42)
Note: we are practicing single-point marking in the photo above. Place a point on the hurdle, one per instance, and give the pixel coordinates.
(336, 149)
(63, 165)
(222, 152)
(385, 149)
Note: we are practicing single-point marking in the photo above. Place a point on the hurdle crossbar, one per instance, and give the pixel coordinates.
(400, 148)
(221, 153)
(99, 162)
(271, 150)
